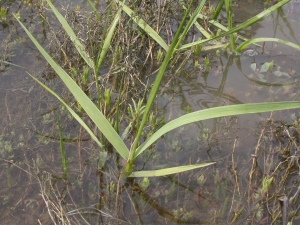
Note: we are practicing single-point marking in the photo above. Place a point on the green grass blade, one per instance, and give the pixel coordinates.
(142, 24)
(62, 150)
(192, 20)
(93, 112)
(8, 63)
(93, 7)
(117, 124)
(154, 90)
(245, 44)
(168, 171)
(73, 113)
(72, 35)
(217, 25)
(214, 113)
(228, 5)
(108, 39)
(242, 26)
(199, 27)
(202, 30)
(218, 9)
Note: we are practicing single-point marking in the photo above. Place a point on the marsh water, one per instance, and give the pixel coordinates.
(31, 184)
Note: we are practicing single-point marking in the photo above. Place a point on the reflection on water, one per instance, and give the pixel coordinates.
(29, 144)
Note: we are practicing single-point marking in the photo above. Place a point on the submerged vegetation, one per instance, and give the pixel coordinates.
(115, 63)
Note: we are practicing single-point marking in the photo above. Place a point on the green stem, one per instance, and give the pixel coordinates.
(62, 150)
(154, 91)
(228, 4)
(218, 9)
(118, 104)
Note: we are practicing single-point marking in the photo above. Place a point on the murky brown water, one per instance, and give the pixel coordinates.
(30, 158)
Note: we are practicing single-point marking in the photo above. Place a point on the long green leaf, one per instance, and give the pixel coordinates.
(214, 113)
(244, 45)
(242, 26)
(93, 7)
(62, 151)
(228, 5)
(218, 9)
(155, 89)
(199, 27)
(73, 113)
(192, 20)
(167, 171)
(72, 35)
(218, 25)
(108, 39)
(142, 24)
(94, 113)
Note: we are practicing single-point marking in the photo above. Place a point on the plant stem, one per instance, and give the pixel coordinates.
(118, 104)
(62, 150)
(154, 91)
(228, 4)
(218, 9)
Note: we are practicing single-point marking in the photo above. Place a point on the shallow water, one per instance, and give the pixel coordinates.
(30, 158)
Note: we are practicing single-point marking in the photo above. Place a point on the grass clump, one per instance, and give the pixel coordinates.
(105, 80)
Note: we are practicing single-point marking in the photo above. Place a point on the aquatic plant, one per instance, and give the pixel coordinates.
(62, 149)
(3, 14)
(104, 125)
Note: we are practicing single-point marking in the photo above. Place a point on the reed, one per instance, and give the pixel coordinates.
(104, 125)
(62, 150)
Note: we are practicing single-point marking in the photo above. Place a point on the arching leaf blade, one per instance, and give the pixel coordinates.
(142, 24)
(90, 108)
(242, 26)
(168, 171)
(214, 113)
(80, 48)
(245, 44)
(73, 113)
